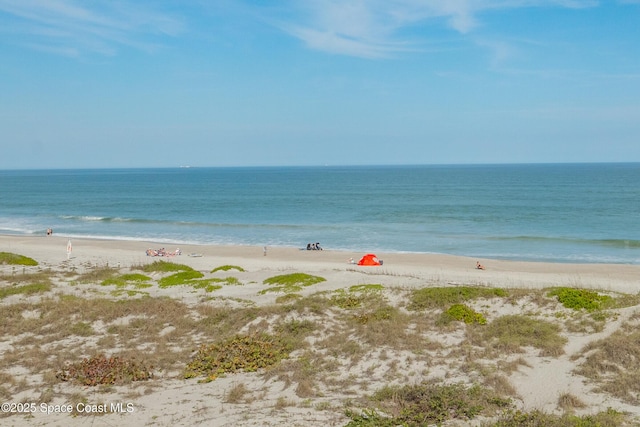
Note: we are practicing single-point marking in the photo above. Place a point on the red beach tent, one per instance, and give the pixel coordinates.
(369, 259)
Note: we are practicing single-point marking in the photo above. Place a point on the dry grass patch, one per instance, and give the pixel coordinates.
(134, 279)
(24, 276)
(439, 297)
(430, 404)
(236, 394)
(509, 334)
(608, 418)
(62, 326)
(304, 371)
(569, 402)
(97, 275)
(613, 364)
(100, 370)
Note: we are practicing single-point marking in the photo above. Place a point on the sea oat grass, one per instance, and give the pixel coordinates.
(569, 402)
(303, 372)
(97, 275)
(509, 334)
(613, 364)
(124, 280)
(27, 276)
(236, 394)
(30, 289)
(536, 418)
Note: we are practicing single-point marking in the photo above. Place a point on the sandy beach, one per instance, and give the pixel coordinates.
(537, 380)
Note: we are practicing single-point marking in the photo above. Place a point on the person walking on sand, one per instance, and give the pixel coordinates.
(264, 251)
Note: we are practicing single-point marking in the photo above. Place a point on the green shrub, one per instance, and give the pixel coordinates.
(15, 259)
(182, 278)
(206, 284)
(227, 268)
(240, 353)
(369, 418)
(462, 313)
(426, 298)
(291, 283)
(301, 279)
(164, 267)
(578, 299)
(231, 281)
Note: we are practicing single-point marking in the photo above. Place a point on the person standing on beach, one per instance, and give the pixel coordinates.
(264, 251)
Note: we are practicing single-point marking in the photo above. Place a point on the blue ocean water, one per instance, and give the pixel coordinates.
(546, 212)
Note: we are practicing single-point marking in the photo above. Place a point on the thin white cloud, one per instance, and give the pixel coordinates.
(329, 41)
(359, 28)
(74, 28)
(372, 28)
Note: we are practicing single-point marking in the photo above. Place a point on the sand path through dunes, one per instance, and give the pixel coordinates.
(546, 379)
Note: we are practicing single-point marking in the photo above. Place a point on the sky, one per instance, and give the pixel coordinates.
(166, 83)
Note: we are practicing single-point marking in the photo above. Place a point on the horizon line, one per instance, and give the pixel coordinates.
(321, 166)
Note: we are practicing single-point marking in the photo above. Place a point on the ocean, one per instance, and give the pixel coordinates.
(584, 213)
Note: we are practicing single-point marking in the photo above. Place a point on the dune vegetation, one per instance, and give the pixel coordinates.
(366, 354)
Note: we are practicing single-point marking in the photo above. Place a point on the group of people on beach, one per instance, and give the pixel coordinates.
(314, 246)
(163, 252)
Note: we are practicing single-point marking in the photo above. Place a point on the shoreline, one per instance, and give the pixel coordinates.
(575, 257)
(425, 267)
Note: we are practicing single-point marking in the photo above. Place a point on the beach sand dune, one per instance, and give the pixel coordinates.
(535, 379)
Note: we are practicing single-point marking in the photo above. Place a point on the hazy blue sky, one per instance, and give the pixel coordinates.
(132, 83)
